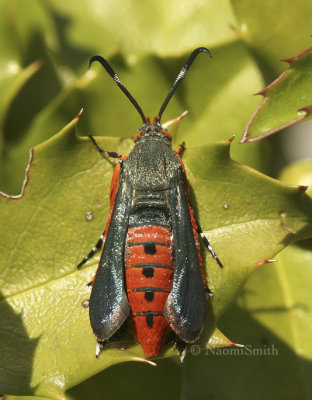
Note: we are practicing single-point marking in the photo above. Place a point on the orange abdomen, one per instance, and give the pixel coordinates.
(149, 275)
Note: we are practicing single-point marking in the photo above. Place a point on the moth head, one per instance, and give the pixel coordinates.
(152, 129)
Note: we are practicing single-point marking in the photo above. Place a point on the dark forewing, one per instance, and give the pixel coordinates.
(109, 305)
(185, 307)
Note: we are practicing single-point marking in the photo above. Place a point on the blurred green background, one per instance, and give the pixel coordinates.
(44, 82)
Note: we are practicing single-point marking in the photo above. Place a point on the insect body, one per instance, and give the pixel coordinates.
(150, 271)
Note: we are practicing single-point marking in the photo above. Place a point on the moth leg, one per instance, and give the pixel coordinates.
(208, 245)
(180, 149)
(101, 240)
(93, 251)
(99, 346)
(182, 347)
(107, 153)
(111, 342)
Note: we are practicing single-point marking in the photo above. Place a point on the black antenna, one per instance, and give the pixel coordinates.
(180, 77)
(113, 74)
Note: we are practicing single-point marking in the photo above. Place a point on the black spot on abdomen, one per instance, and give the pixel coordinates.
(148, 272)
(149, 296)
(149, 248)
(150, 320)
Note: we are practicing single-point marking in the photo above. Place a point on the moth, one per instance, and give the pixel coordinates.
(150, 272)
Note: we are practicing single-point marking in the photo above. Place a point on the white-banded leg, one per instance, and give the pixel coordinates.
(98, 348)
(208, 245)
(112, 154)
(96, 248)
(101, 240)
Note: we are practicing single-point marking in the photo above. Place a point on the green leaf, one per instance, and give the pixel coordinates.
(23, 30)
(137, 380)
(138, 40)
(62, 36)
(252, 212)
(295, 277)
(150, 28)
(48, 345)
(287, 100)
(207, 93)
(272, 318)
(270, 30)
(299, 173)
(24, 398)
(13, 77)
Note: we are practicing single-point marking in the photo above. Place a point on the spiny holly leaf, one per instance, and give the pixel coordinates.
(287, 100)
(209, 92)
(47, 344)
(137, 380)
(215, 89)
(253, 212)
(295, 277)
(13, 78)
(42, 291)
(272, 317)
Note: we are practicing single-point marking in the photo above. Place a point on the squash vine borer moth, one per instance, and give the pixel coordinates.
(150, 271)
